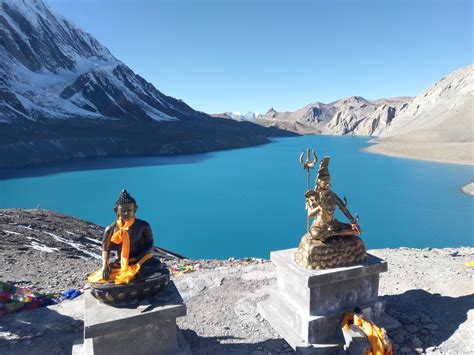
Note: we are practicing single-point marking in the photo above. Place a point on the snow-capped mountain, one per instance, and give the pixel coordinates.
(52, 69)
(237, 116)
(63, 95)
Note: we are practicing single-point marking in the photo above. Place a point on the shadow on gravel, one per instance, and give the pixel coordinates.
(212, 345)
(446, 312)
(39, 331)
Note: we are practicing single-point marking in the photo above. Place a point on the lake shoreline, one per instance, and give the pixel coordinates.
(417, 152)
(414, 152)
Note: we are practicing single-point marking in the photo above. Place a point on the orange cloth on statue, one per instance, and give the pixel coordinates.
(376, 336)
(121, 236)
(127, 272)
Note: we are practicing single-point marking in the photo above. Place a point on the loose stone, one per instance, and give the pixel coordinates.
(399, 338)
(425, 320)
(432, 326)
(416, 342)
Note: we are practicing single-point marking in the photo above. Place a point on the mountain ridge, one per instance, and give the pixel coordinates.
(350, 115)
(437, 125)
(63, 95)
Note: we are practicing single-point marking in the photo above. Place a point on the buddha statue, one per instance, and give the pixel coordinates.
(136, 273)
(329, 243)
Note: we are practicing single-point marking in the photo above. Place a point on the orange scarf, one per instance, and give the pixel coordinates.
(121, 236)
(375, 335)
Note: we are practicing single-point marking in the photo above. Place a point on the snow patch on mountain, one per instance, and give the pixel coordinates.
(49, 68)
(249, 116)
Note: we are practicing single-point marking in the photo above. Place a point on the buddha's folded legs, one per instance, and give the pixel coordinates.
(120, 275)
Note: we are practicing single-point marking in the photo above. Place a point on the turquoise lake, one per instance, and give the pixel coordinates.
(247, 202)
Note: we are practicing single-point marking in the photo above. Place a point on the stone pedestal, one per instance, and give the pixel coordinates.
(149, 329)
(306, 307)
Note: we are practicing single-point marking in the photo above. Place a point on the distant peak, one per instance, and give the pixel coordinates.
(355, 98)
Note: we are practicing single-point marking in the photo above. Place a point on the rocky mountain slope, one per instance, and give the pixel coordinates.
(352, 115)
(64, 95)
(437, 125)
(52, 69)
(430, 291)
(442, 113)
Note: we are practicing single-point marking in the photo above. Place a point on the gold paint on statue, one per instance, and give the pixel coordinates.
(329, 243)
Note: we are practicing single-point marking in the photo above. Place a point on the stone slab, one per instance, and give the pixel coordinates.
(312, 278)
(320, 292)
(86, 347)
(273, 316)
(320, 328)
(102, 319)
(307, 306)
(155, 337)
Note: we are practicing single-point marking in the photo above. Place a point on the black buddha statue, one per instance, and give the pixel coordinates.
(136, 273)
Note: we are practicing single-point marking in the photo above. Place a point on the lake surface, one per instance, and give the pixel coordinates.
(247, 202)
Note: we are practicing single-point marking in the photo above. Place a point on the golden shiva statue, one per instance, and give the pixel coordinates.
(136, 273)
(329, 243)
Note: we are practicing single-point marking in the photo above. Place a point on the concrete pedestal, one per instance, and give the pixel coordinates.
(307, 306)
(127, 329)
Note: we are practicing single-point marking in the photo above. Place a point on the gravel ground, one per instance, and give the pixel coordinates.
(430, 291)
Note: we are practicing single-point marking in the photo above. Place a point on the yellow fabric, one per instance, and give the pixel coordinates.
(121, 236)
(469, 263)
(119, 276)
(374, 334)
(127, 272)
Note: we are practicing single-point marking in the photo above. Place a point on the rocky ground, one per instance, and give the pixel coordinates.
(430, 291)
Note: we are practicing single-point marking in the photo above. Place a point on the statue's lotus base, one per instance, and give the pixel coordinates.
(152, 279)
(334, 252)
(306, 307)
(132, 329)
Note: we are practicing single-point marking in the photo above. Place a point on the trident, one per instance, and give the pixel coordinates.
(308, 165)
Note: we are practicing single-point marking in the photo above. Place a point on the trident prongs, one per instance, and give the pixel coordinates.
(308, 164)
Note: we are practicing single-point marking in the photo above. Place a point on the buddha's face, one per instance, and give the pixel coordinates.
(126, 211)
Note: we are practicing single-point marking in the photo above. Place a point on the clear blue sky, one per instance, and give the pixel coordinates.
(229, 55)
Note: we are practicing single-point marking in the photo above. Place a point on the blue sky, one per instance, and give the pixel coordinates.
(229, 55)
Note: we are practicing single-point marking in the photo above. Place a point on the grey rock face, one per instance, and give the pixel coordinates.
(352, 115)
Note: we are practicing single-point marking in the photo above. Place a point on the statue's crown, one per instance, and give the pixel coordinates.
(124, 198)
(323, 172)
